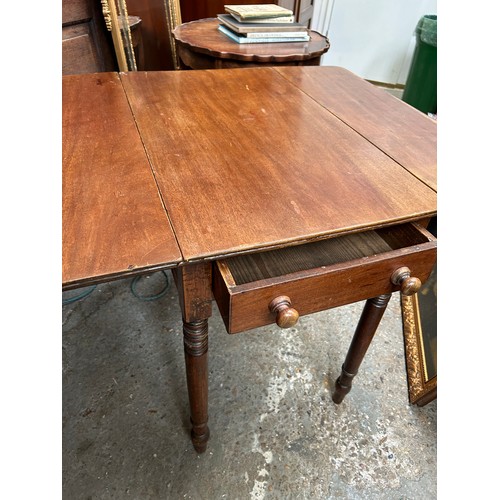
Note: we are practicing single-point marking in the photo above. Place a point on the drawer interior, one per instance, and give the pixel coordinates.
(274, 263)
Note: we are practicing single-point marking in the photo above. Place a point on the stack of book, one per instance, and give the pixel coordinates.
(263, 23)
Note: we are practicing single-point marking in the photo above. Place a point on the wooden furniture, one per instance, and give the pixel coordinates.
(200, 45)
(155, 32)
(277, 191)
(114, 220)
(86, 44)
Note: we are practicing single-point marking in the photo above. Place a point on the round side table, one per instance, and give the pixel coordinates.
(200, 45)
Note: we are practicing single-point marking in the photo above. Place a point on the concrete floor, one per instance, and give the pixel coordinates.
(275, 432)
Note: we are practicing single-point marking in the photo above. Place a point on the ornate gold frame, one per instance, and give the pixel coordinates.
(421, 389)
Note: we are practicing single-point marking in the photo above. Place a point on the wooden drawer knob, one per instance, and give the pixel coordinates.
(409, 285)
(286, 315)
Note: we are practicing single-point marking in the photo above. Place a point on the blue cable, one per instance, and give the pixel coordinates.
(151, 297)
(79, 297)
(157, 296)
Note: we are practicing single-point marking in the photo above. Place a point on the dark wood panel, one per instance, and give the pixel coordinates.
(114, 223)
(404, 133)
(79, 54)
(76, 11)
(231, 150)
(154, 33)
(196, 9)
(87, 46)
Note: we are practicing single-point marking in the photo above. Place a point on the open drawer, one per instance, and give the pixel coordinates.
(251, 290)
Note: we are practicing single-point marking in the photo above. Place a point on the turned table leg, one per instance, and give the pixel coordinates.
(370, 318)
(194, 283)
(196, 357)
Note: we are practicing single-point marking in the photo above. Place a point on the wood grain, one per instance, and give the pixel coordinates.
(86, 44)
(194, 284)
(154, 33)
(199, 9)
(203, 37)
(252, 267)
(189, 59)
(245, 160)
(114, 223)
(401, 131)
(245, 306)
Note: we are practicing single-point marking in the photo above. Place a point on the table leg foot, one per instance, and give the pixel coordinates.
(343, 385)
(200, 435)
(196, 357)
(367, 326)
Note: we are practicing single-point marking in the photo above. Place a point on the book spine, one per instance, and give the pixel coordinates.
(238, 27)
(285, 19)
(242, 39)
(278, 34)
(229, 33)
(253, 13)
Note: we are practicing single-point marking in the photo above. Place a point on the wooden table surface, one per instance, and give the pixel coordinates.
(246, 159)
(113, 218)
(232, 161)
(392, 125)
(202, 36)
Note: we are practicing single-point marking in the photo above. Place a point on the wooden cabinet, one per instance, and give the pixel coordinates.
(86, 44)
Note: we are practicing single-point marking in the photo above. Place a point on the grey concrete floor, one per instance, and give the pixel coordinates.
(275, 432)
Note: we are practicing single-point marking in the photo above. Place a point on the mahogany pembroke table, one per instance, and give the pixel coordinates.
(276, 191)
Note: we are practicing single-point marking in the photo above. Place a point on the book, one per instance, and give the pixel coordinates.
(287, 19)
(247, 28)
(243, 39)
(266, 10)
(278, 34)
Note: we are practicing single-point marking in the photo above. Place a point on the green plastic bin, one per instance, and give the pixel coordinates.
(421, 84)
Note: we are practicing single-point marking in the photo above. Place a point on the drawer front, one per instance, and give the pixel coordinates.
(246, 306)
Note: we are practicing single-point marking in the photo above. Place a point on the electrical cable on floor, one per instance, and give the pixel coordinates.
(82, 295)
(133, 288)
(150, 297)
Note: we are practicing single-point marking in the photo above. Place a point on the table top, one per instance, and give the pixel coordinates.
(203, 164)
(114, 221)
(203, 36)
(392, 125)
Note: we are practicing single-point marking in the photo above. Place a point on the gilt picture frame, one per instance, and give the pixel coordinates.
(420, 340)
